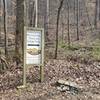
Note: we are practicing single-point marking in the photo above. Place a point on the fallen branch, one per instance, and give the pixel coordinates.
(64, 86)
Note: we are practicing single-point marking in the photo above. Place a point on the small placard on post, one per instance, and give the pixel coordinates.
(33, 50)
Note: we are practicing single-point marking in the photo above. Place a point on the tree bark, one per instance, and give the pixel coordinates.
(96, 14)
(5, 27)
(31, 13)
(57, 27)
(19, 28)
(47, 20)
(77, 19)
(74, 15)
(99, 9)
(62, 32)
(68, 4)
(0, 22)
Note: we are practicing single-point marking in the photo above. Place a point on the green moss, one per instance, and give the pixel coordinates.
(96, 52)
(84, 51)
(67, 47)
(74, 47)
(96, 42)
(96, 49)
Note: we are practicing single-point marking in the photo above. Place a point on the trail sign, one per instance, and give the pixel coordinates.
(34, 46)
(33, 50)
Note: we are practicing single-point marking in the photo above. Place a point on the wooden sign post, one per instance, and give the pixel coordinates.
(33, 50)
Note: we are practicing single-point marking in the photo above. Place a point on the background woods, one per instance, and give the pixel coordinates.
(68, 21)
(72, 47)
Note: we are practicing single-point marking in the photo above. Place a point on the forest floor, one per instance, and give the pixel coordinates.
(79, 64)
(85, 74)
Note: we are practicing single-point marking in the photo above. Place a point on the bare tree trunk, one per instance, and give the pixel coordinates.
(32, 14)
(79, 11)
(47, 20)
(77, 19)
(19, 29)
(68, 5)
(48, 11)
(0, 22)
(87, 13)
(27, 12)
(74, 15)
(96, 14)
(57, 27)
(5, 27)
(99, 9)
(62, 32)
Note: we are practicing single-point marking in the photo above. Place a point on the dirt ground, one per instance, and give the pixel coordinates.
(85, 75)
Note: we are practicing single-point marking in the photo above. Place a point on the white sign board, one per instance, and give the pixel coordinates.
(33, 50)
(34, 46)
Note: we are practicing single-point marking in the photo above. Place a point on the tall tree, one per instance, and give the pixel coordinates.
(68, 7)
(19, 28)
(96, 14)
(0, 20)
(5, 26)
(47, 19)
(32, 14)
(48, 11)
(99, 9)
(74, 8)
(77, 19)
(57, 27)
(21, 21)
(87, 14)
(62, 29)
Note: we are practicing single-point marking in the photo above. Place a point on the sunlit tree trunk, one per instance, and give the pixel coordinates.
(87, 14)
(77, 19)
(68, 4)
(99, 9)
(48, 11)
(5, 26)
(32, 15)
(96, 14)
(19, 28)
(62, 38)
(47, 19)
(74, 15)
(57, 27)
(0, 21)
